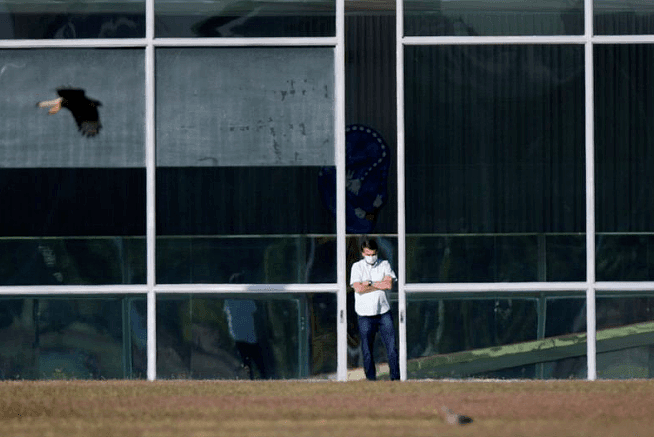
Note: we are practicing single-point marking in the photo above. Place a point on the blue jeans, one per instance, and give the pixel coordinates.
(368, 327)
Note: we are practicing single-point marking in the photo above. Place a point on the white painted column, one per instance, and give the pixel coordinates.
(339, 136)
(401, 218)
(150, 166)
(591, 331)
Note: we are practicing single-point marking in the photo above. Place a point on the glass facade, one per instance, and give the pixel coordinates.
(245, 336)
(185, 186)
(73, 337)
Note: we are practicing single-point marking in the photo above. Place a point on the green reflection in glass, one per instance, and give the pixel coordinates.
(443, 329)
(625, 335)
(246, 336)
(46, 337)
(506, 336)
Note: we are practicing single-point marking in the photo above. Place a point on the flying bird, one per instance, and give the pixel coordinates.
(453, 418)
(84, 110)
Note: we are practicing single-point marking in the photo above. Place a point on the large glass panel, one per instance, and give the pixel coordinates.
(493, 17)
(495, 258)
(241, 153)
(625, 335)
(494, 151)
(81, 337)
(370, 99)
(286, 18)
(246, 336)
(624, 161)
(501, 336)
(257, 259)
(619, 17)
(72, 182)
(43, 19)
(566, 327)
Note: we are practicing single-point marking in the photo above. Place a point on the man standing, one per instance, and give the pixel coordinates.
(370, 278)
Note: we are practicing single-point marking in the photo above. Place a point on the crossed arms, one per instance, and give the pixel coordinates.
(363, 287)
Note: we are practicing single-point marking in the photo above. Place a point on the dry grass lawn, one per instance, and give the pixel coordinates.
(334, 409)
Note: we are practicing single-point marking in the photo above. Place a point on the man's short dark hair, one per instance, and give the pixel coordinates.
(367, 243)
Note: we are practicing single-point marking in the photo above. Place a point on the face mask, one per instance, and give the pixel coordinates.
(370, 259)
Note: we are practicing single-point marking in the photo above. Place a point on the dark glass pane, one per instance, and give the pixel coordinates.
(625, 335)
(492, 18)
(305, 18)
(72, 261)
(566, 322)
(246, 336)
(473, 259)
(370, 99)
(257, 259)
(494, 145)
(41, 19)
(618, 17)
(240, 200)
(47, 337)
(72, 202)
(624, 161)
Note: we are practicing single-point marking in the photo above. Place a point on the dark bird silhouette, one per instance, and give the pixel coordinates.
(84, 110)
(453, 418)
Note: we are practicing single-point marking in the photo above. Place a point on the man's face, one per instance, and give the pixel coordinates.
(368, 252)
(369, 255)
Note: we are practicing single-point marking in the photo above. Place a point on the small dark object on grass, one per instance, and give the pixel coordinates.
(453, 418)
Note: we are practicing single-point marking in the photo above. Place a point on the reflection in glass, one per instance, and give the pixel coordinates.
(370, 111)
(182, 18)
(32, 138)
(510, 336)
(495, 258)
(441, 329)
(618, 17)
(41, 19)
(74, 204)
(494, 145)
(239, 154)
(624, 160)
(73, 337)
(269, 260)
(625, 336)
(493, 18)
(72, 261)
(236, 107)
(246, 336)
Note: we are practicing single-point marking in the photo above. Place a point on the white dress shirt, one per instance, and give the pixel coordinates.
(374, 302)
